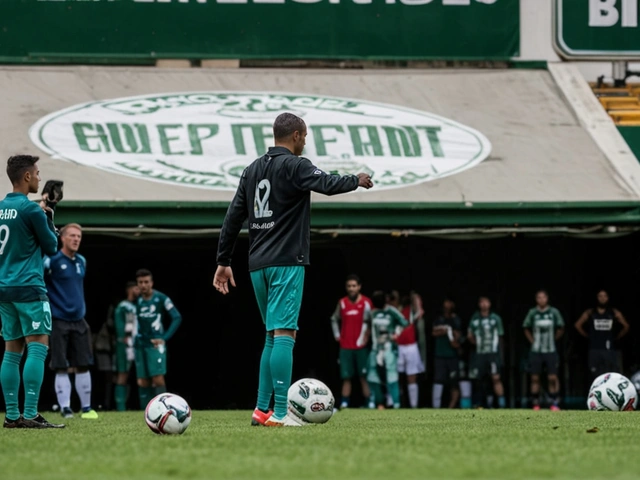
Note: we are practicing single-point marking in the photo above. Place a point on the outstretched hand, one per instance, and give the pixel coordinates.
(364, 180)
(222, 278)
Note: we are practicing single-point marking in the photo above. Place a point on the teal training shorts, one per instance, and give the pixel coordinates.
(23, 319)
(353, 362)
(279, 294)
(151, 361)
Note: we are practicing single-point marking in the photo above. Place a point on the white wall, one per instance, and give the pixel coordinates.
(536, 30)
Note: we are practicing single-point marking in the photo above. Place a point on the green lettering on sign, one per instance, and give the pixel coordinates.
(366, 148)
(136, 141)
(83, 138)
(260, 133)
(320, 140)
(434, 141)
(403, 141)
(165, 140)
(211, 129)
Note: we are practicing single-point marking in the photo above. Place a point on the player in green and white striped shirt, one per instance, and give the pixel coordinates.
(485, 332)
(543, 326)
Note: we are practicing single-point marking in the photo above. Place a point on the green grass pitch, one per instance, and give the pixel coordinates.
(364, 444)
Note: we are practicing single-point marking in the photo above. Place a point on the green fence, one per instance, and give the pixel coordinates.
(135, 31)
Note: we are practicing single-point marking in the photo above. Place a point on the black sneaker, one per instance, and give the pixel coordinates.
(39, 422)
(17, 423)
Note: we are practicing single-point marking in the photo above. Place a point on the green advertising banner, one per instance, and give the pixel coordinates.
(142, 30)
(588, 29)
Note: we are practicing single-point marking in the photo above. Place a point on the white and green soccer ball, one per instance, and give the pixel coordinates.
(311, 401)
(614, 392)
(168, 414)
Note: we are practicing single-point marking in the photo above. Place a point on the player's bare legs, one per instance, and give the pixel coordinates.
(144, 382)
(554, 389)
(455, 396)
(535, 391)
(158, 381)
(498, 388)
(346, 388)
(366, 392)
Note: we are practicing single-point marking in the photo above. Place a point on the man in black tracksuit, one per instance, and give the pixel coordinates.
(603, 335)
(274, 195)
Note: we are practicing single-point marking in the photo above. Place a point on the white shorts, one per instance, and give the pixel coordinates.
(409, 360)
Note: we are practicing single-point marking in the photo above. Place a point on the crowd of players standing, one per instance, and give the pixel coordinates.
(42, 310)
(384, 337)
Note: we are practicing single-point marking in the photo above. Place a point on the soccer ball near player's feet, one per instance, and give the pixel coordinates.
(612, 391)
(168, 414)
(311, 401)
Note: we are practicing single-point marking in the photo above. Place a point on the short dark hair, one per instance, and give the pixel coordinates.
(18, 165)
(354, 278)
(287, 123)
(542, 290)
(130, 284)
(143, 272)
(379, 299)
(393, 295)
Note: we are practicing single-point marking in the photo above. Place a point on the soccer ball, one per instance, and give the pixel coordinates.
(311, 401)
(612, 391)
(168, 414)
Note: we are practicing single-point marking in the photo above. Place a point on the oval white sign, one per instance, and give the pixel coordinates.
(206, 139)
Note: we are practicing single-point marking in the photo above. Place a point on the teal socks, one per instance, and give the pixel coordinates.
(265, 382)
(160, 389)
(120, 394)
(465, 402)
(10, 380)
(32, 377)
(281, 366)
(376, 393)
(394, 391)
(145, 394)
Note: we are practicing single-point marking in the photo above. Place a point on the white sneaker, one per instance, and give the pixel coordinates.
(287, 421)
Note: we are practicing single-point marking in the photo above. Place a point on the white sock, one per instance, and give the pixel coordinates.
(437, 394)
(63, 390)
(83, 387)
(389, 400)
(465, 388)
(413, 394)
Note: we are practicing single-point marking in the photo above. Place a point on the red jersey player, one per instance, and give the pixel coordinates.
(350, 328)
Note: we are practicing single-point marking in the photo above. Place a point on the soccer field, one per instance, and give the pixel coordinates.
(487, 444)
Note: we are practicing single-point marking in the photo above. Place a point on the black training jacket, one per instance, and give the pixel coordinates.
(274, 195)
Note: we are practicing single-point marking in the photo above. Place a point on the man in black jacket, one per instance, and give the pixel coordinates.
(274, 195)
